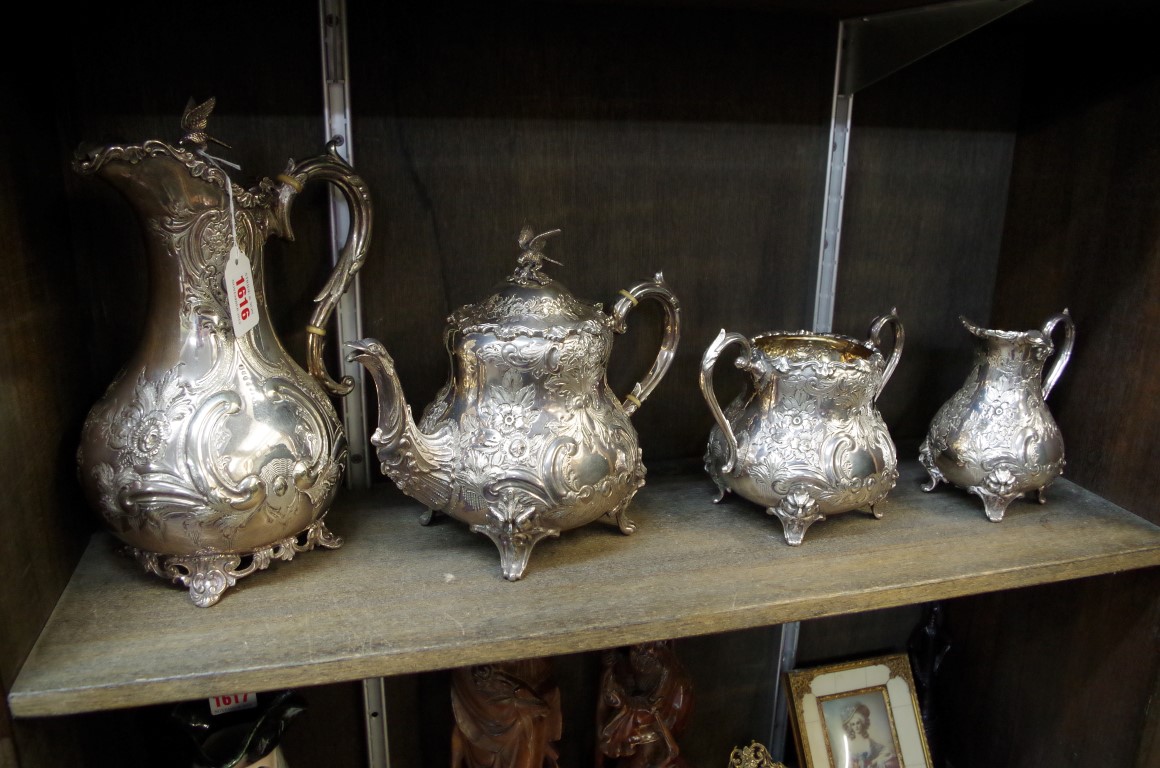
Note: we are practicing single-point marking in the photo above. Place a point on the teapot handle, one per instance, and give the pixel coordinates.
(899, 339)
(1063, 352)
(330, 167)
(708, 363)
(658, 290)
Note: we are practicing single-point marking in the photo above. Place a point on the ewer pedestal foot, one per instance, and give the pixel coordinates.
(207, 576)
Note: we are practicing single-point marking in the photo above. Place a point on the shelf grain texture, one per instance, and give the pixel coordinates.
(399, 597)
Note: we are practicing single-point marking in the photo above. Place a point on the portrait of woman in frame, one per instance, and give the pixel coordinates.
(860, 731)
(857, 714)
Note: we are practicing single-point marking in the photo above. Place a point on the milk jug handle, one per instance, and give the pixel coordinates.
(333, 168)
(659, 291)
(1062, 352)
(708, 363)
(896, 352)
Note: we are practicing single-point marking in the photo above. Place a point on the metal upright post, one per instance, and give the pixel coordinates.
(835, 195)
(869, 49)
(336, 97)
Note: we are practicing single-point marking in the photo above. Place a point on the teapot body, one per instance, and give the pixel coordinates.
(213, 452)
(996, 437)
(526, 439)
(534, 423)
(804, 439)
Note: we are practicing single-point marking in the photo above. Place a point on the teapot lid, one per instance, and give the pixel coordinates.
(530, 302)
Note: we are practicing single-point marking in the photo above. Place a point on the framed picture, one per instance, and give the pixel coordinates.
(859, 714)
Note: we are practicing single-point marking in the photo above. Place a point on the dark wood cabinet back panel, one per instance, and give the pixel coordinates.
(684, 141)
(930, 157)
(1083, 233)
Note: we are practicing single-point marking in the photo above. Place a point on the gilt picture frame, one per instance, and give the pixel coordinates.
(857, 714)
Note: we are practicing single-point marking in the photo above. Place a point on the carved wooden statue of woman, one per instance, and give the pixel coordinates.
(507, 715)
(646, 700)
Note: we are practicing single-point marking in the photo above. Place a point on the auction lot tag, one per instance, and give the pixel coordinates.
(230, 702)
(239, 285)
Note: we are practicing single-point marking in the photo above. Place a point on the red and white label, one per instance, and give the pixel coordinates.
(239, 285)
(230, 702)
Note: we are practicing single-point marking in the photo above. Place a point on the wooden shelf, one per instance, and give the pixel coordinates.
(399, 597)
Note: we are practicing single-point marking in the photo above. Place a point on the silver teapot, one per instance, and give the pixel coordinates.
(525, 439)
(995, 437)
(804, 439)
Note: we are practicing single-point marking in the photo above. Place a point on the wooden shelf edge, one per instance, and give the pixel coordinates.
(400, 598)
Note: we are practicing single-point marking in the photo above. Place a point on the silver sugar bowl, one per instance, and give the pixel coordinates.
(804, 438)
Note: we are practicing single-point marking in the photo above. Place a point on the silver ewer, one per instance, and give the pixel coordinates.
(995, 437)
(213, 452)
(525, 439)
(804, 438)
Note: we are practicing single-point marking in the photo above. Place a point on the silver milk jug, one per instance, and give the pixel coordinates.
(525, 439)
(213, 452)
(804, 438)
(995, 437)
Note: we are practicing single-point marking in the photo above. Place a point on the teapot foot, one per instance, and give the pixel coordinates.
(513, 525)
(516, 551)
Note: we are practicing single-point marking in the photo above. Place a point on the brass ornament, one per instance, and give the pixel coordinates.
(753, 756)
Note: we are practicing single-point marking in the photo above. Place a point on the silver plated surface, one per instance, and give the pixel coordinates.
(804, 438)
(525, 439)
(996, 437)
(212, 454)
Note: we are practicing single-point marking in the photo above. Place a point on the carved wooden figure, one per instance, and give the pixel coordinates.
(646, 701)
(507, 715)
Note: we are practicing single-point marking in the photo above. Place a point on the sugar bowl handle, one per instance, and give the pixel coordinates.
(708, 363)
(658, 290)
(899, 338)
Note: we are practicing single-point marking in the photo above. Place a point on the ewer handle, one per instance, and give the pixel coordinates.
(899, 338)
(1062, 353)
(332, 168)
(708, 363)
(655, 289)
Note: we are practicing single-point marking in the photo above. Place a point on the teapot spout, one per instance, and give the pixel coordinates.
(418, 463)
